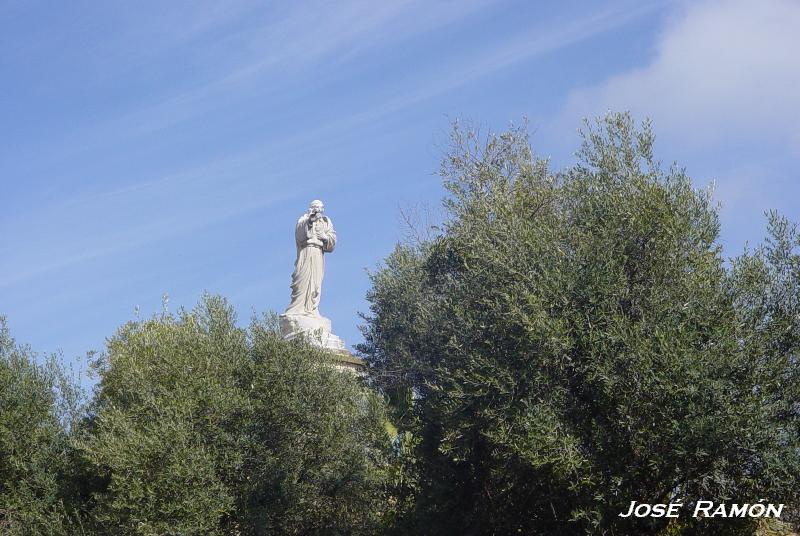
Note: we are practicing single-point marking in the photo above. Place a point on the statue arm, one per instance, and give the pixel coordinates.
(300, 233)
(329, 240)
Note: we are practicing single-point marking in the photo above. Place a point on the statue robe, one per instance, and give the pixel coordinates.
(313, 238)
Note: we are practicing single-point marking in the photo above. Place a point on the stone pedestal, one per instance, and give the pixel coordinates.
(318, 331)
(347, 362)
(316, 328)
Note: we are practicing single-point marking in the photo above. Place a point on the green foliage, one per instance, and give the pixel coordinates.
(34, 412)
(319, 446)
(573, 341)
(565, 343)
(160, 437)
(202, 427)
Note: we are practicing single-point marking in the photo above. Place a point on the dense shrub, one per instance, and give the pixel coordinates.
(202, 427)
(37, 402)
(570, 342)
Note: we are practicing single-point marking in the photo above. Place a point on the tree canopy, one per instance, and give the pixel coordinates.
(564, 342)
(37, 405)
(202, 427)
(570, 341)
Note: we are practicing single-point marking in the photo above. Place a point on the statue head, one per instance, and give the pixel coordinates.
(316, 207)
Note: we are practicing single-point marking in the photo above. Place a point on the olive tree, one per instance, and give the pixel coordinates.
(38, 403)
(570, 341)
(200, 426)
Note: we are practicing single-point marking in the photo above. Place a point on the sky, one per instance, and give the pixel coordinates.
(155, 149)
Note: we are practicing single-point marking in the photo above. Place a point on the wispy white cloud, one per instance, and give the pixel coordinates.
(722, 69)
(90, 226)
(307, 35)
(270, 46)
(95, 224)
(313, 31)
(537, 41)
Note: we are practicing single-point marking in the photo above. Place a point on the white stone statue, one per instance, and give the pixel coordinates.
(314, 236)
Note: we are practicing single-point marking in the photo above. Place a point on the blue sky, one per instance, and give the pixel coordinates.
(154, 147)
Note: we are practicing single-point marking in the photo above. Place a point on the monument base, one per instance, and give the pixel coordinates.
(318, 331)
(347, 362)
(316, 328)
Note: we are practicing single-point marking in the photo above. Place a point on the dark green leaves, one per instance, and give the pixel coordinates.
(574, 341)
